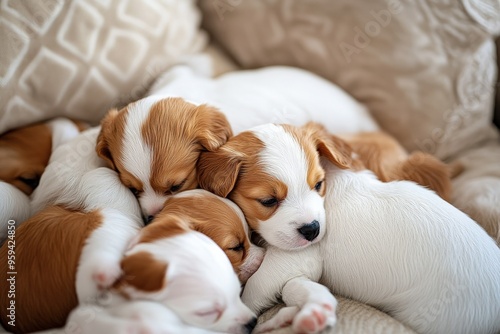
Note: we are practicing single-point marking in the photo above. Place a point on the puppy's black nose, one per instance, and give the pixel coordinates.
(310, 231)
(149, 219)
(249, 326)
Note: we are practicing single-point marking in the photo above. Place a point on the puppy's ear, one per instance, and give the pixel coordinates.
(102, 145)
(337, 151)
(212, 128)
(142, 271)
(218, 171)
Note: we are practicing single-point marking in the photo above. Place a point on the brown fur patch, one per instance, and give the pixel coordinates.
(234, 171)
(142, 271)
(382, 154)
(206, 214)
(25, 153)
(48, 248)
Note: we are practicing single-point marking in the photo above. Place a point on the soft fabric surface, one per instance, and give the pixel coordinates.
(79, 58)
(425, 69)
(353, 318)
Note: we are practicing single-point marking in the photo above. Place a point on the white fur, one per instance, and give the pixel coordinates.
(283, 158)
(399, 247)
(200, 281)
(270, 95)
(136, 317)
(15, 205)
(137, 155)
(62, 130)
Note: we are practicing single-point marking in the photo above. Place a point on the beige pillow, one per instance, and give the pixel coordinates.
(79, 58)
(425, 69)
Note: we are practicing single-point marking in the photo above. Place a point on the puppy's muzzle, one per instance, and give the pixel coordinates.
(310, 231)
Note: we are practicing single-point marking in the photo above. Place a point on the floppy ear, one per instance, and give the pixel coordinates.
(337, 151)
(102, 145)
(218, 171)
(213, 129)
(142, 271)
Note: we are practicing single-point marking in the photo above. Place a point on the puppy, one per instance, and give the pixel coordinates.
(382, 154)
(245, 97)
(25, 152)
(273, 173)
(385, 244)
(153, 144)
(182, 270)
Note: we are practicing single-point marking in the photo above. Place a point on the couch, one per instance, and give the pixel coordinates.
(425, 69)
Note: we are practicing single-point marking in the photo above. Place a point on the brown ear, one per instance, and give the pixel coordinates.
(142, 271)
(212, 127)
(218, 171)
(102, 146)
(337, 151)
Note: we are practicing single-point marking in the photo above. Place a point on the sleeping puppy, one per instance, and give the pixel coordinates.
(275, 94)
(385, 244)
(182, 270)
(25, 153)
(382, 154)
(153, 144)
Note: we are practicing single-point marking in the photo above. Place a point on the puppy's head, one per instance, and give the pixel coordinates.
(222, 221)
(154, 145)
(25, 153)
(273, 173)
(186, 271)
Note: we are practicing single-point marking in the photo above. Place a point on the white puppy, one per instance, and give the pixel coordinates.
(276, 94)
(397, 245)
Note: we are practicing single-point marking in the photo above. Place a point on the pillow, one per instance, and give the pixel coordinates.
(79, 58)
(425, 69)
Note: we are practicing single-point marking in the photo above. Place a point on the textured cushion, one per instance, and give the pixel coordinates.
(353, 318)
(78, 58)
(425, 69)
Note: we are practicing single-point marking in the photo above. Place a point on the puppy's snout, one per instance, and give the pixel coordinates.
(149, 219)
(310, 231)
(249, 326)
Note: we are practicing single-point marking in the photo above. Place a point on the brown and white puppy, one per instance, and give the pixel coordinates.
(168, 262)
(384, 155)
(154, 145)
(24, 155)
(25, 151)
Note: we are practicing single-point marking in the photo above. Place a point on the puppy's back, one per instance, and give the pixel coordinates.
(401, 248)
(47, 252)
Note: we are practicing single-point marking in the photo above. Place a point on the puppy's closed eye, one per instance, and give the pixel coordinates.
(239, 248)
(30, 181)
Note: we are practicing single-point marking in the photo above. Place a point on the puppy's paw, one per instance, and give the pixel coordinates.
(283, 318)
(314, 317)
(105, 274)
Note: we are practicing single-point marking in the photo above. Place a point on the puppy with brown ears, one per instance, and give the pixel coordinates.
(176, 266)
(273, 173)
(394, 245)
(153, 144)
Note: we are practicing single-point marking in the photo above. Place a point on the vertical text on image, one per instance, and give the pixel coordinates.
(11, 273)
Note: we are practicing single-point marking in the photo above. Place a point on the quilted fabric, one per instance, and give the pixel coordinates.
(78, 58)
(425, 69)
